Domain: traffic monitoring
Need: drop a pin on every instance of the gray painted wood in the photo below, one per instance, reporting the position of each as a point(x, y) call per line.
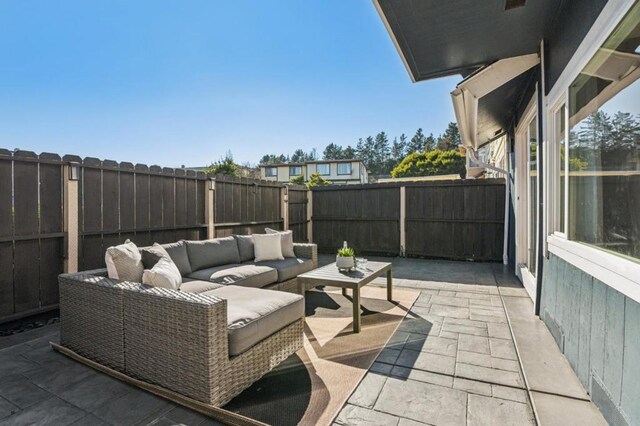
point(614, 343)
point(631, 367)
point(601, 335)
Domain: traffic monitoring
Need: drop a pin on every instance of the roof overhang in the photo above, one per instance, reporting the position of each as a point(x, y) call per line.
point(482, 102)
point(436, 38)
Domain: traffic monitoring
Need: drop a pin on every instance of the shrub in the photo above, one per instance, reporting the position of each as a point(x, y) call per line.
point(432, 163)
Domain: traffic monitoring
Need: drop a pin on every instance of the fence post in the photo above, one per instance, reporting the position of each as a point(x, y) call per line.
point(71, 173)
point(310, 215)
point(403, 213)
point(210, 208)
point(284, 207)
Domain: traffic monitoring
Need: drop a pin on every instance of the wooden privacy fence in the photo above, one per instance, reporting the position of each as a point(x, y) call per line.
point(459, 219)
point(61, 214)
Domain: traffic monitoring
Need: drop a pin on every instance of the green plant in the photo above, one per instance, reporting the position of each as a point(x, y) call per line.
point(298, 180)
point(431, 163)
point(225, 166)
point(317, 180)
point(346, 252)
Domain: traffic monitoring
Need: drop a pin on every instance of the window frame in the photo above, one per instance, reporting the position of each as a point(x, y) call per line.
point(554, 160)
point(323, 164)
point(268, 168)
point(295, 167)
point(345, 174)
point(615, 271)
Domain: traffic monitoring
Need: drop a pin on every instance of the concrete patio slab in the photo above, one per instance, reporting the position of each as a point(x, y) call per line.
point(556, 410)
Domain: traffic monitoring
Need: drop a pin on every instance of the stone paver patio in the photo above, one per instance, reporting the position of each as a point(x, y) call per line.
point(452, 361)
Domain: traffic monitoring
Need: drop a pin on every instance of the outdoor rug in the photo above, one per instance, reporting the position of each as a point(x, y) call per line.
point(311, 386)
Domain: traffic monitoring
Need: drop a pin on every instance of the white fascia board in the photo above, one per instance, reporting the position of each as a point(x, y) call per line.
point(393, 38)
point(466, 95)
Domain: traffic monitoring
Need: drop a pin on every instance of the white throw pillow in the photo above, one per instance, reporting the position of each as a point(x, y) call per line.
point(267, 247)
point(124, 262)
point(164, 274)
point(287, 241)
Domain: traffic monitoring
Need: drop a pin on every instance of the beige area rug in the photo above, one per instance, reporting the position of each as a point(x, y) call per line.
point(311, 387)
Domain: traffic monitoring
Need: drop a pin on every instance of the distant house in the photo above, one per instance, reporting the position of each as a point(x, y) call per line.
point(342, 172)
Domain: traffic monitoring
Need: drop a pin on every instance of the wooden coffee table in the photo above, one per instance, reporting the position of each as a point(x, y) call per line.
point(330, 276)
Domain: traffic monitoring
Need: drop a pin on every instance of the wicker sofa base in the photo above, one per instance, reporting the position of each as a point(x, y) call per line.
point(212, 411)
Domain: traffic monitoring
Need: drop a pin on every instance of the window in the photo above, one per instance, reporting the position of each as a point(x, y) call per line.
point(324, 169)
point(344, 168)
point(295, 170)
point(271, 171)
point(604, 145)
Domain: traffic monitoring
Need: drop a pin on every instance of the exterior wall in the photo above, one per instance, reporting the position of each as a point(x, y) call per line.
point(358, 173)
point(598, 330)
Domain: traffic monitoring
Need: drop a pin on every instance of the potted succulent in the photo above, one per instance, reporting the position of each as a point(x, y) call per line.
point(345, 259)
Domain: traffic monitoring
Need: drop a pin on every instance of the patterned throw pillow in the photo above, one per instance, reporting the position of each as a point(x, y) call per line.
point(287, 241)
point(164, 274)
point(124, 262)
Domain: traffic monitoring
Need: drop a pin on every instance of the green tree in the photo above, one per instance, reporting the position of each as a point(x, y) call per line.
point(224, 166)
point(450, 139)
point(317, 180)
point(430, 143)
point(417, 142)
point(348, 153)
point(431, 163)
point(298, 180)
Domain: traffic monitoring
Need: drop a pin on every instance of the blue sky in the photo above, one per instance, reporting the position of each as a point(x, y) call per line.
point(181, 82)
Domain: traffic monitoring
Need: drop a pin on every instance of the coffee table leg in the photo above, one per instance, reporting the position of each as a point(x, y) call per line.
point(344, 292)
point(356, 309)
point(389, 285)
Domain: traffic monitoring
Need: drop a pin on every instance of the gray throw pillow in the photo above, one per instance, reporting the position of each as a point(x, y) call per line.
point(151, 255)
point(245, 247)
point(216, 252)
point(178, 253)
point(287, 241)
point(124, 262)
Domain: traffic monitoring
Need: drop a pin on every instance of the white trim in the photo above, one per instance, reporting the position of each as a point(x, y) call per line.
point(529, 282)
point(617, 272)
point(393, 38)
point(610, 16)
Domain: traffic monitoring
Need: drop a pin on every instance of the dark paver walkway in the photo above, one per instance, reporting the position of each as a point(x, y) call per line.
point(452, 361)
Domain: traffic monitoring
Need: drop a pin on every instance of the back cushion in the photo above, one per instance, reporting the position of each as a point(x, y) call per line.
point(208, 253)
point(245, 247)
point(178, 253)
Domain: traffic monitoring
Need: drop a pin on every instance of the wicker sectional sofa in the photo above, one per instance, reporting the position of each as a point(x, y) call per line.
point(208, 340)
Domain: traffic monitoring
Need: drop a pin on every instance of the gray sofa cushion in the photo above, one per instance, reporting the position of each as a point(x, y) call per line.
point(288, 268)
point(208, 253)
point(197, 286)
point(245, 247)
point(151, 255)
point(249, 275)
point(255, 314)
point(178, 253)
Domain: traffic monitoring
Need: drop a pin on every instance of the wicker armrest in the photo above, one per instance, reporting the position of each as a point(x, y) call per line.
point(307, 251)
point(176, 339)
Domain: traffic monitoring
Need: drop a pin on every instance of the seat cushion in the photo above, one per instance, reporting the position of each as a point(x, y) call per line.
point(208, 253)
point(255, 314)
point(247, 275)
point(197, 286)
point(288, 268)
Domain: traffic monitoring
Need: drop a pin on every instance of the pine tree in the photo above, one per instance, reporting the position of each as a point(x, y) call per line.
point(429, 143)
point(450, 139)
point(332, 152)
point(417, 142)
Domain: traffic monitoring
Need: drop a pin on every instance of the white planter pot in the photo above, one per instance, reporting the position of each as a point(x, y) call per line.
point(345, 262)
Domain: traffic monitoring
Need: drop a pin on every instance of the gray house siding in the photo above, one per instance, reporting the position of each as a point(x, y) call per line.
point(598, 330)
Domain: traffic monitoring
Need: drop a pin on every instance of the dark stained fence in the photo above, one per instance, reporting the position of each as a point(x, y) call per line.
point(460, 219)
point(31, 232)
point(298, 220)
point(246, 206)
point(144, 204)
point(366, 216)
